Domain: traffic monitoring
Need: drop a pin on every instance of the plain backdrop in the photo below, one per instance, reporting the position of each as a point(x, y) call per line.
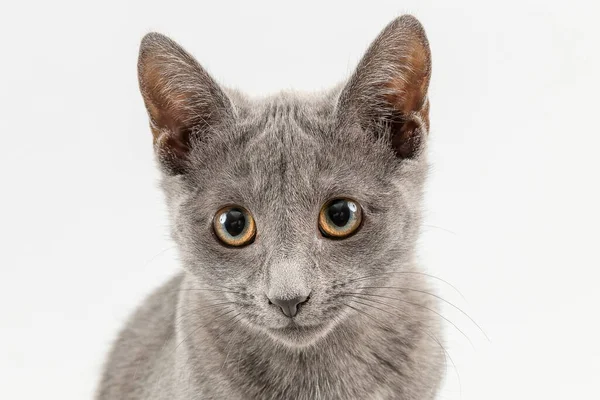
point(512, 202)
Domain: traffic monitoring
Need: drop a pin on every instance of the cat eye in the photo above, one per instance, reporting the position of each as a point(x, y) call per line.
point(234, 226)
point(340, 218)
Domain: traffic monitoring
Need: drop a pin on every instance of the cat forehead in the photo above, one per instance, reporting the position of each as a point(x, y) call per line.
point(293, 145)
point(286, 113)
point(284, 128)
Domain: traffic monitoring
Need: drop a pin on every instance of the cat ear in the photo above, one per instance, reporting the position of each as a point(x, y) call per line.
point(388, 90)
point(184, 103)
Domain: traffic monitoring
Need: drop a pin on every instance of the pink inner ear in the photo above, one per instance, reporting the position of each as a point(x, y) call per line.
point(407, 94)
point(170, 119)
point(408, 90)
point(168, 109)
point(407, 132)
point(170, 116)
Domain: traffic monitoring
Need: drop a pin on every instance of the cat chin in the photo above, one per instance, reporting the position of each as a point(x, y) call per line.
point(299, 336)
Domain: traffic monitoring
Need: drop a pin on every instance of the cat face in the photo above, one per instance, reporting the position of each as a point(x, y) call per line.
point(283, 205)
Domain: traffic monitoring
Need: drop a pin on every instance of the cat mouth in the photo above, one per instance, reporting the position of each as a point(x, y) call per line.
point(292, 327)
point(299, 336)
point(294, 332)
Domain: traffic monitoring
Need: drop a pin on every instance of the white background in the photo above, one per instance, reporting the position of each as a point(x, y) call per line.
point(512, 203)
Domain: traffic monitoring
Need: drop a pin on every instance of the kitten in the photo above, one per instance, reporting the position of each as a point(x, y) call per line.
point(296, 219)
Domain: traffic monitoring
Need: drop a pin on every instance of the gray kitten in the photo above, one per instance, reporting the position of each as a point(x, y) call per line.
point(296, 219)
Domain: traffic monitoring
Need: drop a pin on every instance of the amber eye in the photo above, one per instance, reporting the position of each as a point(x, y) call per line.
point(234, 226)
point(340, 218)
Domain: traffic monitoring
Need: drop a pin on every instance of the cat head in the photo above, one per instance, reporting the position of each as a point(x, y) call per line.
point(283, 202)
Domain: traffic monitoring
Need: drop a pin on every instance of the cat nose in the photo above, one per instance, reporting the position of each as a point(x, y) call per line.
point(289, 306)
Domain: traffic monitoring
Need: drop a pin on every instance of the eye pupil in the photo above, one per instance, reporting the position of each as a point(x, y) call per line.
point(235, 222)
point(339, 213)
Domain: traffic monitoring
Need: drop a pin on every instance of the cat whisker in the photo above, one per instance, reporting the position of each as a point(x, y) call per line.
point(201, 289)
point(216, 318)
point(365, 295)
point(224, 287)
point(225, 322)
point(406, 272)
point(176, 322)
point(227, 348)
point(182, 312)
point(385, 325)
point(429, 334)
point(187, 312)
point(440, 228)
point(200, 327)
point(158, 255)
point(437, 297)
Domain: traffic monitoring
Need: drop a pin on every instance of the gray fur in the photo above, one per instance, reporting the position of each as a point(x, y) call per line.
point(210, 333)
